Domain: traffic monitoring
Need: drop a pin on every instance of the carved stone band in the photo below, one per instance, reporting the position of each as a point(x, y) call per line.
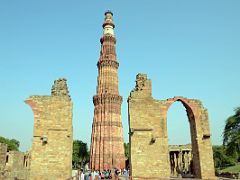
point(108, 63)
point(113, 110)
point(108, 139)
point(108, 123)
point(107, 98)
point(107, 155)
point(108, 38)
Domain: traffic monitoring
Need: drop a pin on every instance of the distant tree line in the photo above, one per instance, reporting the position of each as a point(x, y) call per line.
point(228, 154)
point(12, 144)
point(81, 154)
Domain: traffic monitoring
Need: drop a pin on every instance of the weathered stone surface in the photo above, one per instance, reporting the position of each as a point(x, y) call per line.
point(60, 88)
point(15, 160)
point(51, 154)
point(107, 150)
point(3, 154)
point(149, 139)
point(16, 166)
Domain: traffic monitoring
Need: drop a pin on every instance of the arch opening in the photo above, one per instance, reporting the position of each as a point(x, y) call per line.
point(180, 122)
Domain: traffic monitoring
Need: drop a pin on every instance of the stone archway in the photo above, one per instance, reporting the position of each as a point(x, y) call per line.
point(200, 133)
point(149, 154)
point(180, 155)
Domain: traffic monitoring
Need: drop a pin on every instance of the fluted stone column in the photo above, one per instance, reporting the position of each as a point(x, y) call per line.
point(175, 164)
point(179, 161)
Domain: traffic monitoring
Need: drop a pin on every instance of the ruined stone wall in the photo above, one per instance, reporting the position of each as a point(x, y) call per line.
point(15, 166)
point(15, 161)
point(147, 156)
point(149, 139)
point(51, 154)
point(3, 154)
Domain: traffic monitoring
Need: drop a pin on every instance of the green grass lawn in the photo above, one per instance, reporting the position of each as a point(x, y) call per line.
point(232, 169)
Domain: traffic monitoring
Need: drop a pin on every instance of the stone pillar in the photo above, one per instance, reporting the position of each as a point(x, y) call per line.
point(51, 154)
point(189, 157)
point(184, 162)
point(205, 168)
point(187, 162)
point(175, 164)
point(172, 163)
point(180, 162)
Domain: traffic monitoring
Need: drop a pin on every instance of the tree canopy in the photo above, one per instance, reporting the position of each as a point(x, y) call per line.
point(221, 160)
point(231, 135)
point(80, 154)
point(126, 150)
point(13, 144)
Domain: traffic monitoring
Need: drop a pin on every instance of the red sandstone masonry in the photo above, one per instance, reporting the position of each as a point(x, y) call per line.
point(107, 149)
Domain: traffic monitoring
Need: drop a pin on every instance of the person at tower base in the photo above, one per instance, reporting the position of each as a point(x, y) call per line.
point(82, 175)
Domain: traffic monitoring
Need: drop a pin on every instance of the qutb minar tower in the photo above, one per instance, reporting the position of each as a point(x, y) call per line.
point(107, 150)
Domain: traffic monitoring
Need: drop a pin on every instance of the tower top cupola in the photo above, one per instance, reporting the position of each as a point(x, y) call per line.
point(108, 25)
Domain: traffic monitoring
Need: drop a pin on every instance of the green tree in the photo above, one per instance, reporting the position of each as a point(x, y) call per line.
point(126, 150)
point(220, 158)
point(13, 144)
point(80, 154)
point(231, 135)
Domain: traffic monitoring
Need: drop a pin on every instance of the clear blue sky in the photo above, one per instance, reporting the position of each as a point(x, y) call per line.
point(187, 48)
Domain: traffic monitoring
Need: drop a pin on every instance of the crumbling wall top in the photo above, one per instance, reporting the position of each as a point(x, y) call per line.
point(60, 88)
point(143, 87)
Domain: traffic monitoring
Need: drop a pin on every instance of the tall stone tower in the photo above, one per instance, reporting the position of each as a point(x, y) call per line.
point(107, 150)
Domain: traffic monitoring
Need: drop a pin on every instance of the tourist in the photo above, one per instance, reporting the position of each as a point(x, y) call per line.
point(95, 175)
point(124, 172)
point(81, 174)
point(103, 175)
point(116, 173)
point(107, 174)
point(87, 175)
point(110, 174)
point(92, 175)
